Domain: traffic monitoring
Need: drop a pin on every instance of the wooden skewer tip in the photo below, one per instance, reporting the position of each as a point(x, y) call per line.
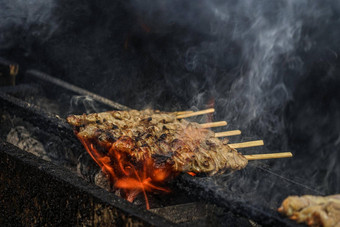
point(183, 112)
point(228, 133)
point(214, 124)
point(269, 156)
point(201, 112)
point(247, 144)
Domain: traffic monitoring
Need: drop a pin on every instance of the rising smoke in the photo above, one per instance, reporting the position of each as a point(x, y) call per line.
point(271, 68)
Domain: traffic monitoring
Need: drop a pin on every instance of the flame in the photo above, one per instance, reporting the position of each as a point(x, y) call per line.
point(191, 173)
point(131, 176)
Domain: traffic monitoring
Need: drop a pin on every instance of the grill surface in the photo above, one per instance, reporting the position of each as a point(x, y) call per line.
point(236, 192)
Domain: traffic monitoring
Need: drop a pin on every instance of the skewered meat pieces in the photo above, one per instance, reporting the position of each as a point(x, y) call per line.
point(313, 210)
point(183, 145)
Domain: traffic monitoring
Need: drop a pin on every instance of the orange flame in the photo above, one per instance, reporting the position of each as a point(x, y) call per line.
point(191, 173)
point(131, 176)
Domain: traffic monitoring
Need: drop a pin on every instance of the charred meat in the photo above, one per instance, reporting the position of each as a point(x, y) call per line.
point(140, 135)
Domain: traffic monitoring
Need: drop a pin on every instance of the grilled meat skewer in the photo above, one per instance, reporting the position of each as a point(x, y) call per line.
point(183, 145)
point(313, 210)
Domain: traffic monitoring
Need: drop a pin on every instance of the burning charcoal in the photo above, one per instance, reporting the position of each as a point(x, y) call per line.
point(101, 180)
point(90, 171)
point(60, 151)
point(20, 137)
point(86, 168)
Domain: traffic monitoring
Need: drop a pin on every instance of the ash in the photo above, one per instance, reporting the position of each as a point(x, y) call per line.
point(20, 137)
point(32, 139)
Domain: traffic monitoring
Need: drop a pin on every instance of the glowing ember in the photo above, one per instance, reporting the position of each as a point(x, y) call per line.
point(126, 174)
point(191, 173)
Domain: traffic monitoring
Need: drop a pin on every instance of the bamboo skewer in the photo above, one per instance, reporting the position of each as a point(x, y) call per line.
point(201, 112)
point(214, 124)
point(228, 133)
point(183, 112)
point(269, 156)
point(247, 144)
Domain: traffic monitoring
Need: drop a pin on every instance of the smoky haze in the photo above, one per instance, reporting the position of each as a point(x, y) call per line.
point(270, 68)
point(24, 22)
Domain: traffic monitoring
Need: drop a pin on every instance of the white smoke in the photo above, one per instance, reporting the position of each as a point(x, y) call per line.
point(263, 33)
point(260, 94)
point(251, 57)
point(83, 102)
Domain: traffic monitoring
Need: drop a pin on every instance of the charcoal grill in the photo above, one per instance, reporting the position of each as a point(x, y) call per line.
point(26, 197)
point(36, 192)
